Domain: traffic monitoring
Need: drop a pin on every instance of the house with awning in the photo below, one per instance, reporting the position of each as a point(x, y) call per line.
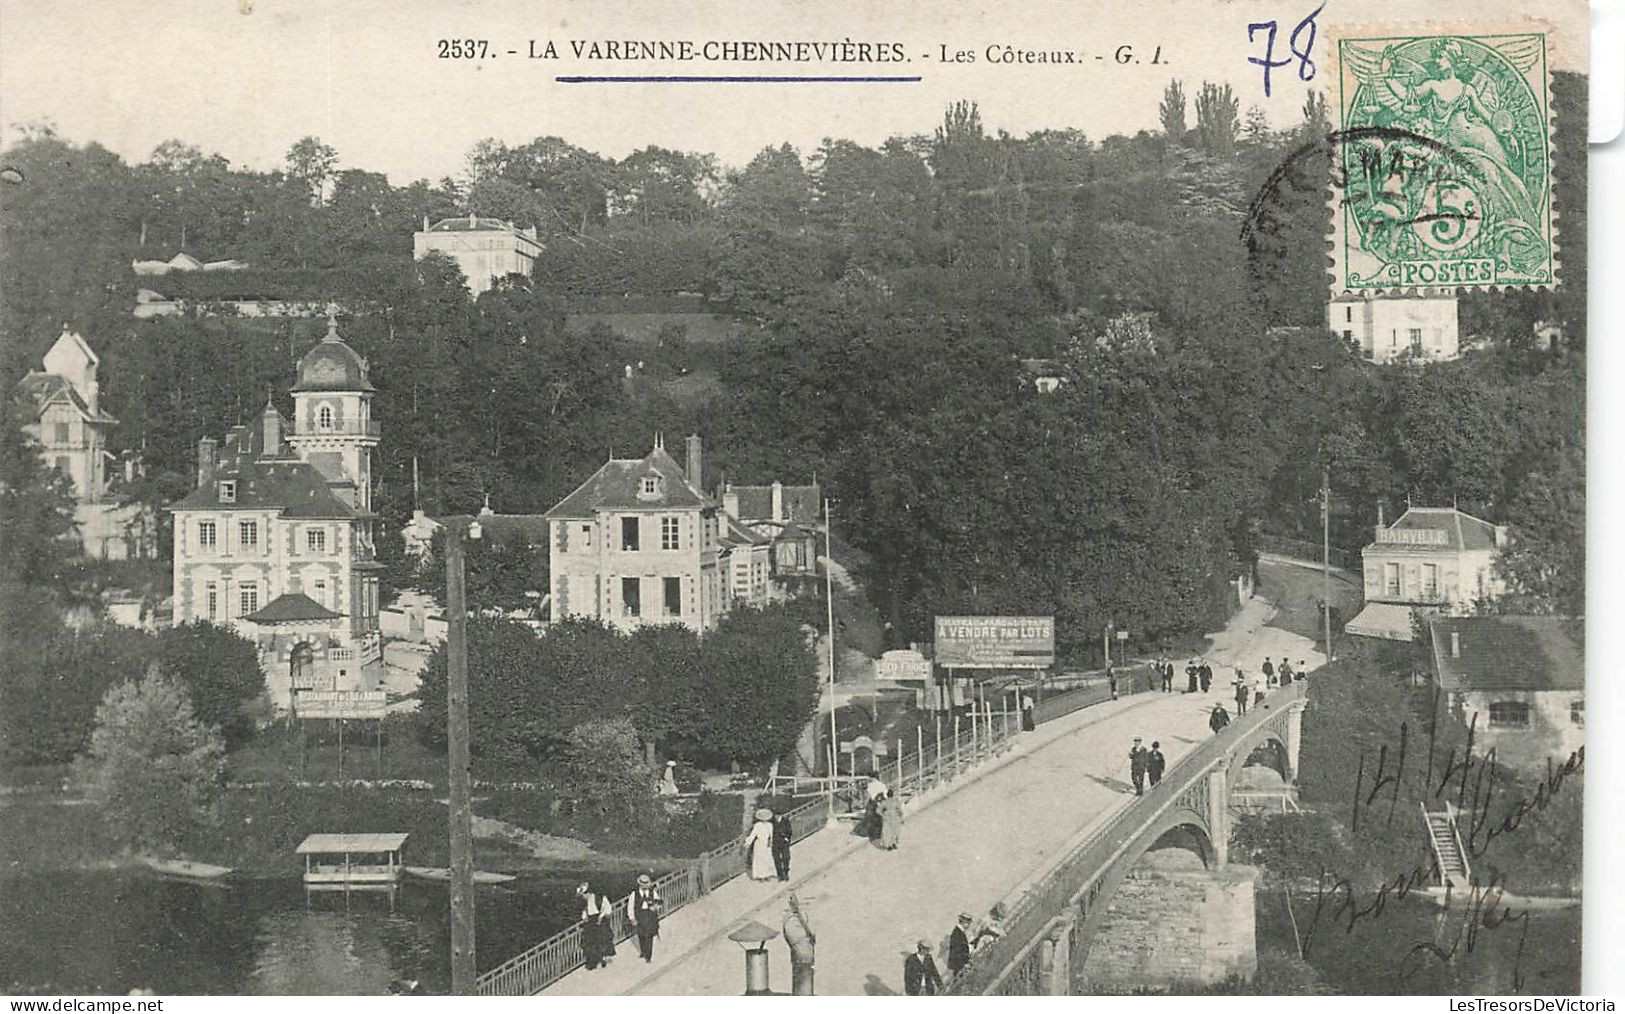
point(1439, 560)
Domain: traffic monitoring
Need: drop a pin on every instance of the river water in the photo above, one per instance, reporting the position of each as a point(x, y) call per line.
point(110, 932)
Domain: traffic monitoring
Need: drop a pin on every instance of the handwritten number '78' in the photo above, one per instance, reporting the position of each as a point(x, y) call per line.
point(1301, 43)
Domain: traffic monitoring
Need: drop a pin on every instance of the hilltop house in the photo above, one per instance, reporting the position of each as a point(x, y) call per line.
point(1438, 559)
point(276, 541)
point(62, 410)
point(487, 249)
point(1385, 328)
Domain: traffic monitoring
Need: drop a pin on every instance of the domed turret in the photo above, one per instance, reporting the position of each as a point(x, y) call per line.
point(332, 365)
point(333, 427)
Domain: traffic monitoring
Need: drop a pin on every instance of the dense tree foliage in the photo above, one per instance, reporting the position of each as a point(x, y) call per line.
point(152, 766)
point(740, 693)
point(36, 510)
point(56, 675)
point(881, 299)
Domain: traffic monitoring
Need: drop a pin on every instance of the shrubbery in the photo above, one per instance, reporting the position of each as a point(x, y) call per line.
point(742, 692)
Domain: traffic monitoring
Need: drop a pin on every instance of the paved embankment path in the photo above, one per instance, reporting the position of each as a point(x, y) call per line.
point(964, 847)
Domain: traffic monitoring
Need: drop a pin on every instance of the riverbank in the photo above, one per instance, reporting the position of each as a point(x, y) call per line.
point(256, 830)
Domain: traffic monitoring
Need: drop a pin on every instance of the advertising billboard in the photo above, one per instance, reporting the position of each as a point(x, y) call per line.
point(995, 642)
point(340, 704)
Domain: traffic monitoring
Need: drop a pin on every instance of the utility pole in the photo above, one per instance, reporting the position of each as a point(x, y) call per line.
point(462, 832)
point(1326, 554)
point(829, 606)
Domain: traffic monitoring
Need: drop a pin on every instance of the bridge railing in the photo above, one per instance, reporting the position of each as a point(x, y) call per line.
point(1012, 964)
point(552, 959)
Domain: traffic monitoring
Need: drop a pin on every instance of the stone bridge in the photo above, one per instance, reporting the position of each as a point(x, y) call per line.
point(1055, 924)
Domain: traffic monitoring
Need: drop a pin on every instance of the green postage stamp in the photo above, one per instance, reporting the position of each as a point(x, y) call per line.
point(1442, 174)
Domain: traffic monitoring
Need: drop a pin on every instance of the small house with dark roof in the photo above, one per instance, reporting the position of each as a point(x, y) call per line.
point(487, 249)
point(61, 407)
point(638, 543)
point(788, 516)
point(1436, 559)
point(276, 541)
point(1518, 680)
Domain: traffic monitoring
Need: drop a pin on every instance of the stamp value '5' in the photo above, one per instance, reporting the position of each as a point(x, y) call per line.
point(1442, 174)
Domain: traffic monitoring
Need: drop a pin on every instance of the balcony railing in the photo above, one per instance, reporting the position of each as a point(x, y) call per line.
point(370, 428)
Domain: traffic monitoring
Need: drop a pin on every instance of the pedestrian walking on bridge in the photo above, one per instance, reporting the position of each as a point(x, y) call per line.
point(1137, 758)
point(783, 832)
point(1191, 676)
point(1155, 763)
point(1218, 719)
point(1111, 680)
point(959, 944)
point(1269, 672)
point(891, 822)
point(643, 912)
point(1241, 692)
point(920, 975)
point(1204, 675)
point(1165, 669)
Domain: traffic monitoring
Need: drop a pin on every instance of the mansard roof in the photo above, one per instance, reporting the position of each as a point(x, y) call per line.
point(618, 485)
point(280, 481)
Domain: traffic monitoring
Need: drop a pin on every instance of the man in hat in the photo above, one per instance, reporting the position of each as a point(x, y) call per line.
point(1269, 672)
point(1166, 669)
point(799, 936)
point(1155, 763)
point(782, 834)
point(1111, 680)
point(1136, 766)
point(959, 944)
point(643, 912)
point(920, 975)
point(1241, 692)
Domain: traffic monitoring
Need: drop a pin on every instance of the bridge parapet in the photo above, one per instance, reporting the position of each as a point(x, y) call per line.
point(1049, 929)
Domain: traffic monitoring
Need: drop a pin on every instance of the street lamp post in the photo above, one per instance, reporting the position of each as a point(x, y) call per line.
point(462, 831)
point(829, 605)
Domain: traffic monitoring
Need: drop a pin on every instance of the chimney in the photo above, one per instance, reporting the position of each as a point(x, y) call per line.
point(1455, 644)
point(778, 500)
point(694, 476)
point(425, 222)
point(205, 460)
point(271, 428)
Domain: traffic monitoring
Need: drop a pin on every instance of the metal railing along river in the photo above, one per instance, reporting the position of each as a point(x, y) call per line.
point(929, 765)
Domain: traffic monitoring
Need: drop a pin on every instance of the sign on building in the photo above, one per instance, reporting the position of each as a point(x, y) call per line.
point(995, 642)
point(340, 704)
point(903, 664)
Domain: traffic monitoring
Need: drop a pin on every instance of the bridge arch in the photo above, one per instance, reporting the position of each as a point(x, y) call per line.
point(1272, 744)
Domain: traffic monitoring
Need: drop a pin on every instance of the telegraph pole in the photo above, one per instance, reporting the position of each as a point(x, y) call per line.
point(462, 832)
point(1326, 554)
point(829, 606)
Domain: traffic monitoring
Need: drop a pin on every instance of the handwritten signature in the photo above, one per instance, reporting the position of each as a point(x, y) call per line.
point(1474, 778)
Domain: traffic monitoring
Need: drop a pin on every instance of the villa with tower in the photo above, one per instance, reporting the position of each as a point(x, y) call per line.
point(62, 410)
point(276, 541)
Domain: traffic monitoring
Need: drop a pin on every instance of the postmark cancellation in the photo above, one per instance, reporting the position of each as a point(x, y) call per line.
point(1441, 174)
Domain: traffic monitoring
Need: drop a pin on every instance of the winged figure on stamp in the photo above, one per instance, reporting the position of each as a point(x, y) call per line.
point(1456, 101)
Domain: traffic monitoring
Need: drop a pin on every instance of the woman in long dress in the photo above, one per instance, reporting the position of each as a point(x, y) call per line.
point(891, 821)
point(759, 844)
point(597, 932)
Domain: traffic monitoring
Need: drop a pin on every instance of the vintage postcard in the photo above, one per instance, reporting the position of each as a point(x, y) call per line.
point(604, 498)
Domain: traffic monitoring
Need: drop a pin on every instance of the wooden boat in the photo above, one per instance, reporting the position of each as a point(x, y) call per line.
point(185, 869)
point(345, 862)
point(443, 875)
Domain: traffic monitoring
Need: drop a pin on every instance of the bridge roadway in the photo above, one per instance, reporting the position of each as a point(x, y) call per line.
point(964, 847)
